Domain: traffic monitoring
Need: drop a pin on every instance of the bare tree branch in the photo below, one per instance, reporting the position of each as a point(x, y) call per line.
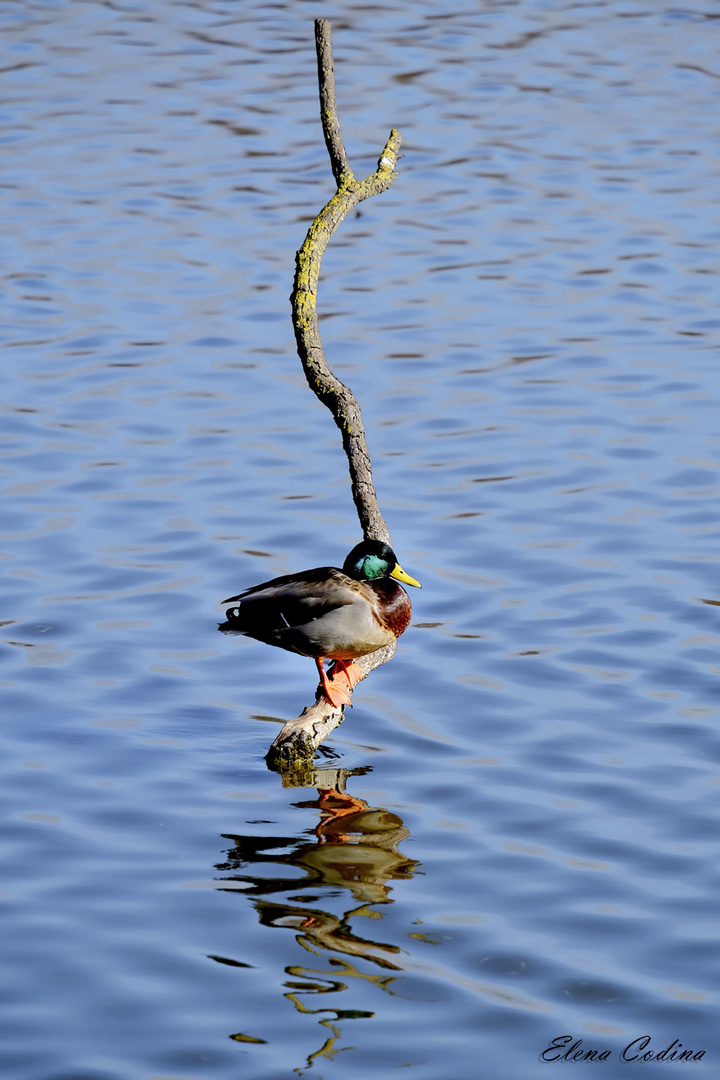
point(300, 737)
point(328, 107)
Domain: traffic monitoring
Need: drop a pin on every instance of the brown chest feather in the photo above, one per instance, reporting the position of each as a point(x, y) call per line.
point(394, 608)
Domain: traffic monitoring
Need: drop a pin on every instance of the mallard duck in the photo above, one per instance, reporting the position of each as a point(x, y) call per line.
point(328, 613)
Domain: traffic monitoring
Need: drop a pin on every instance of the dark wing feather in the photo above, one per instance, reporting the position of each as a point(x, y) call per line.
point(274, 611)
point(303, 581)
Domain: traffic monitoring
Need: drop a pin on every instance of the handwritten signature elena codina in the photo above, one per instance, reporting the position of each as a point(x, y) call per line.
point(563, 1048)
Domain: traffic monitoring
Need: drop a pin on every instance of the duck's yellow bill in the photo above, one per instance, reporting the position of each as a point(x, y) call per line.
point(400, 574)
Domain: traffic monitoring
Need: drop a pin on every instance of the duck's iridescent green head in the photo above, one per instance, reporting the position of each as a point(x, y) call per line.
point(372, 559)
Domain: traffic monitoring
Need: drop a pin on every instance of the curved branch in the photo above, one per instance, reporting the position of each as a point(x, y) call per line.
point(300, 737)
point(326, 385)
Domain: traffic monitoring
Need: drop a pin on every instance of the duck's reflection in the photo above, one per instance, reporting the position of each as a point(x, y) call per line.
point(354, 847)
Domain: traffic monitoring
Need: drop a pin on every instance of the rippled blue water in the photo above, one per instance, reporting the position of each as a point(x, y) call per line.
point(513, 836)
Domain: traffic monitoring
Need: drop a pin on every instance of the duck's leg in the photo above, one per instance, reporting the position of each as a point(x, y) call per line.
point(336, 695)
point(347, 670)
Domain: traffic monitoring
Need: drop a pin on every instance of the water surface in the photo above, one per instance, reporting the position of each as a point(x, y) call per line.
point(513, 836)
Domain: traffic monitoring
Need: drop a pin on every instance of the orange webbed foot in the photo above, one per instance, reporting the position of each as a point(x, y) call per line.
point(343, 680)
point(336, 694)
point(333, 690)
point(348, 672)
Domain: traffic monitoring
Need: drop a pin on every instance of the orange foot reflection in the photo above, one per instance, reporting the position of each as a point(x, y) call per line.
point(336, 805)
